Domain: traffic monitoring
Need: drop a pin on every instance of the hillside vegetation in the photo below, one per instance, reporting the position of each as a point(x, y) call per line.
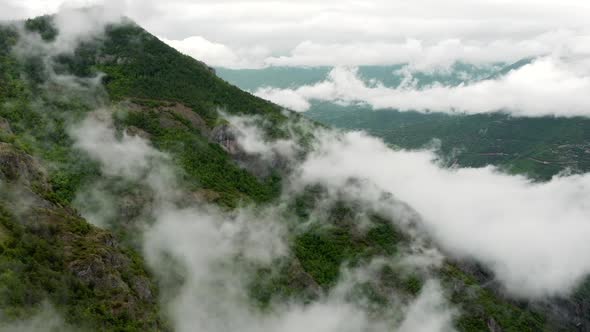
point(97, 277)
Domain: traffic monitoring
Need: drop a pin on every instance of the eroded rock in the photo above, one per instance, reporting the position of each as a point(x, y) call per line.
point(225, 137)
point(188, 114)
point(5, 126)
point(18, 166)
point(493, 326)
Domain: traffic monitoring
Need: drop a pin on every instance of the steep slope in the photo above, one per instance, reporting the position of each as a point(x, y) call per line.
point(95, 276)
point(48, 251)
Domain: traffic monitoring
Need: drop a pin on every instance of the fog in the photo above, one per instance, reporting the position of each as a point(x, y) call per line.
point(526, 232)
point(546, 87)
point(215, 252)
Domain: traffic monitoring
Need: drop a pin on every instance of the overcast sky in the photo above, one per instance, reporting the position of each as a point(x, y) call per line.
point(256, 33)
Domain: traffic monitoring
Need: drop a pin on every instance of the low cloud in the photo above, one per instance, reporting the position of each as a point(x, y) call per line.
point(251, 140)
point(73, 25)
point(217, 54)
point(430, 312)
point(291, 99)
point(215, 252)
point(214, 294)
point(46, 319)
point(422, 55)
point(418, 53)
point(548, 86)
point(525, 232)
point(127, 156)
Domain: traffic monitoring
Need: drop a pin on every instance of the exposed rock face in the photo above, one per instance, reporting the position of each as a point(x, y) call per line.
point(299, 279)
point(89, 255)
point(106, 59)
point(225, 137)
point(96, 259)
point(134, 131)
point(201, 196)
point(16, 166)
point(572, 312)
point(5, 126)
point(133, 204)
point(170, 112)
point(493, 326)
point(168, 121)
point(94, 272)
point(188, 114)
point(141, 286)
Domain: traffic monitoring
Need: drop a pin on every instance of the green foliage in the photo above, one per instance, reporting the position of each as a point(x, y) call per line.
point(401, 281)
point(43, 25)
point(281, 283)
point(322, 251)
point(34, 268)
point(40, 124)
point(413, 285)
point(383, 237)
point(205, 164)
point(145, 67)
point(479, 305)
point(539, 147)
point(36, 258)
point(45, 135)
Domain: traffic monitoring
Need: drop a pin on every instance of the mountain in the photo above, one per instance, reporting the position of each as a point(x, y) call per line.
point(390, 76)
point(538, 147)
point(134, 198)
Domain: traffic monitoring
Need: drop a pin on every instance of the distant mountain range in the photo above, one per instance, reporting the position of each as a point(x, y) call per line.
point(539, 147)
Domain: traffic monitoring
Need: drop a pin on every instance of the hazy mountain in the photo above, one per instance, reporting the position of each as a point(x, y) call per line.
point(540, 147)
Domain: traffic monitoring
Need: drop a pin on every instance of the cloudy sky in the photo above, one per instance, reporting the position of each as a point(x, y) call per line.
point(255, 33)
point(427, 35)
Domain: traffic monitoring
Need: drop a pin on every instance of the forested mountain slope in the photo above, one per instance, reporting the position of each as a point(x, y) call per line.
point(107, 145)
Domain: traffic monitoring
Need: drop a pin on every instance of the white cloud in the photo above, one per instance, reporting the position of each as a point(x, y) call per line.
point(214, 252)
point(422, 55)
point(215, 54)
point(281, 32)
point(251, 139)
point(525, 232)
point(284, 97)
point(547, 86)
point(73, 26)
point(128, 156)
point(430, 312)
point(214, 296)
point(45, 319)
